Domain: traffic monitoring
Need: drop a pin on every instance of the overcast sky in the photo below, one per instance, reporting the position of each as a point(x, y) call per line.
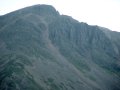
point(105, 13)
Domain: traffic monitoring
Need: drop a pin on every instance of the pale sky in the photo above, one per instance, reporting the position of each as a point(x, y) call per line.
point(105, 13)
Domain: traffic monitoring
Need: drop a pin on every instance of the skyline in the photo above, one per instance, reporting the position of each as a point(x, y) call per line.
point(104, 13)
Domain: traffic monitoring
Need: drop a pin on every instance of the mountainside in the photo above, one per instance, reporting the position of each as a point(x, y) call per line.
point(43, 50)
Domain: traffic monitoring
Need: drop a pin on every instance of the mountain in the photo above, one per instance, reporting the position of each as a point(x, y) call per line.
point(43, 50)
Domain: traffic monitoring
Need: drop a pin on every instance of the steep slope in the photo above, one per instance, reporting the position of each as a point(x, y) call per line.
point(43, 50)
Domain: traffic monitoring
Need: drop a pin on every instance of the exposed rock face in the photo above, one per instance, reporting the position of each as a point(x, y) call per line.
point(43, 50)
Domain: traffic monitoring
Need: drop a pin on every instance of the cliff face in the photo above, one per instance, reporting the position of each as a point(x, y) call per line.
point(43, 50)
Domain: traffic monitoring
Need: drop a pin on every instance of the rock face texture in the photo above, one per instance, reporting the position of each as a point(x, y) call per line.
point(43, 50)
